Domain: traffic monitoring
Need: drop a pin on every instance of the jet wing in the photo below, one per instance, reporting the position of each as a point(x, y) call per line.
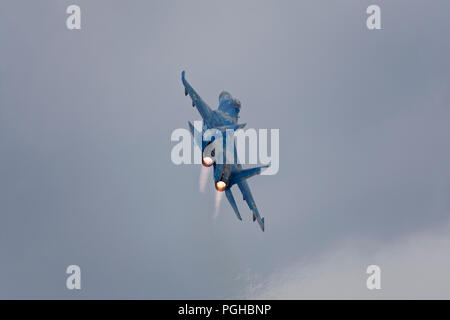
point(204, 110)
point(245, 189)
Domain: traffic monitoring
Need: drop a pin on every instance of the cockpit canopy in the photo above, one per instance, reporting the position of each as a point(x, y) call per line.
point(224, 96)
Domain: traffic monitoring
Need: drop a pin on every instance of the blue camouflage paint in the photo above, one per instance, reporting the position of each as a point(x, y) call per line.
point(226, 117)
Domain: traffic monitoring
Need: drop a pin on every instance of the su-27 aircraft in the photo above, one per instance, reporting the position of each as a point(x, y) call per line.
point(225, 175)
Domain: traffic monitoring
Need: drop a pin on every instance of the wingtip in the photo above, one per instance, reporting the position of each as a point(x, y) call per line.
point(262, 224)
point(183, 74)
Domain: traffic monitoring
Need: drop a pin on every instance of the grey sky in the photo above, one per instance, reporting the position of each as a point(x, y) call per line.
point(85, 124)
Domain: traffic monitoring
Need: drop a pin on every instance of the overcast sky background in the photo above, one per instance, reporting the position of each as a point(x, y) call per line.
point(85, 170)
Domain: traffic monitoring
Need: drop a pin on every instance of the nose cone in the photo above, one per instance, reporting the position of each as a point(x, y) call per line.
point(221, 186)
point(207, 161)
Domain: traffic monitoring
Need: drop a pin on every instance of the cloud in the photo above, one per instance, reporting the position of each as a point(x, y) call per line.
point(415, 267)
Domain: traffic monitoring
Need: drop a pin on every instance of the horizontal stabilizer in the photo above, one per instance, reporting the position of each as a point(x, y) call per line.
point(246, 173)
point(230, 127)
point(230, 198)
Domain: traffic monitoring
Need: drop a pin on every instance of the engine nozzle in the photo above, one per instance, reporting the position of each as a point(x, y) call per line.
point(221, 186)
point(207, 161)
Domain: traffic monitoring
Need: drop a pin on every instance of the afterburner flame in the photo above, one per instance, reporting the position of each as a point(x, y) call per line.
point(207, 161)
point(221, 186)
point(219, 196)
point(203, 178)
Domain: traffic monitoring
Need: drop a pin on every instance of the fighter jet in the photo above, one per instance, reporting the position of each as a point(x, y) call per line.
point(225, 175)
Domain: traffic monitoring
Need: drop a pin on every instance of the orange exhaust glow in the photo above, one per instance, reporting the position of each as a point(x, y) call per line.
point(207, 161)
point(221, 186)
